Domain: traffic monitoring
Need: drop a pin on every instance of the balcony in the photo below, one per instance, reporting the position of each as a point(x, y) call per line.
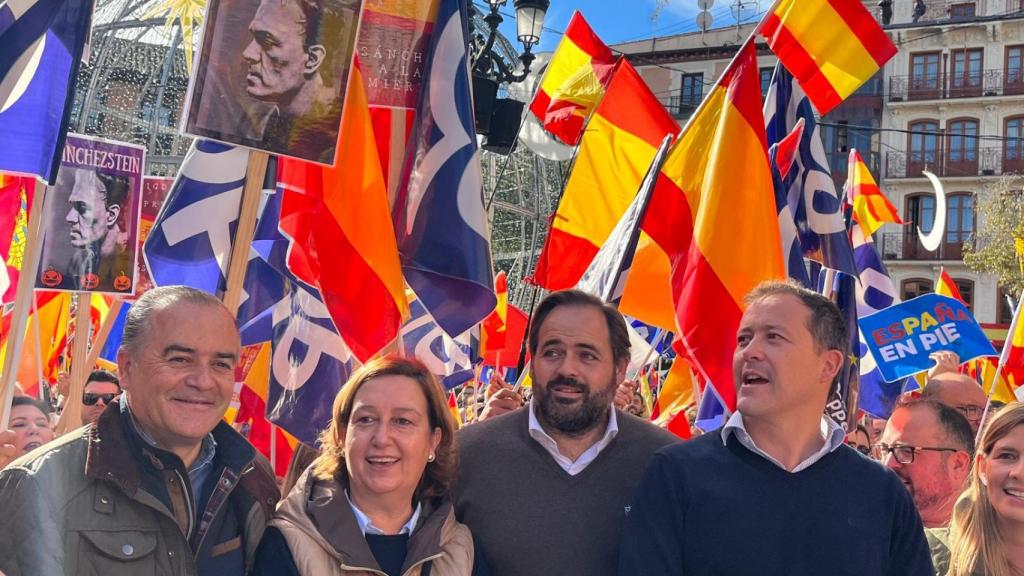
point(947, 11)
point(906, 245)
point(987, 83)
point(988, 161)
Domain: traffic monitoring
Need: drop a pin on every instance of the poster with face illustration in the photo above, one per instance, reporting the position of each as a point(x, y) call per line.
point(91, 218)
point(272, 75)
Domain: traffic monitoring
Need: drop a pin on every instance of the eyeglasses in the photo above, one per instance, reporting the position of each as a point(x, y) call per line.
point(865, 450)
point(905, 454)
point(970, 411)
point(90, 399)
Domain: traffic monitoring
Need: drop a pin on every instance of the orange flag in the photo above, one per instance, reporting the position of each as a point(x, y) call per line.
point(495, 325)
point(830, 46)
point(574, 82)
point(621, 141)
point(713, 212)
point(343, 241)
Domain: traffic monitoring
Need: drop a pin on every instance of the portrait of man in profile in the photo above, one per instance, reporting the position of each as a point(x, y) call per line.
point(290, 80)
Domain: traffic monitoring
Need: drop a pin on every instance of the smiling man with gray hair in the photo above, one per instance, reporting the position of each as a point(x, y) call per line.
point(159, 484)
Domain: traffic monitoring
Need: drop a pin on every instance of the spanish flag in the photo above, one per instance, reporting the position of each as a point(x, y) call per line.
point(676, 394)
point(1012, 357)
point(870, 207)
point(574, 82)
point(620, 143)
point(495, 325)
point(453, 407)
point(832, 47)
point(713, 212)
point(944, 286)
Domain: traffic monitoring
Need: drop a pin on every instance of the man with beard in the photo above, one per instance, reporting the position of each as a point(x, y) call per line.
point(931, 448)
point(776, 490)
point(530, 479)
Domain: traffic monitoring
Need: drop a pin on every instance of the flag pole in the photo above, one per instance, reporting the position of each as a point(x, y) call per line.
point(71, 417)
point(654, 348)
point(255, 174)
point(24, 293)
point(1003, 357)
point(105, 329)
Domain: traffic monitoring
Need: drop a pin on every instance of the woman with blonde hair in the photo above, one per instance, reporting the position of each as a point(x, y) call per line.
point(987, 530)
point(376, 500)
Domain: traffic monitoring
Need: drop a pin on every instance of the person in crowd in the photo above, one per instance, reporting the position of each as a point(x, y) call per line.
point(377, 499)
point(159, 484)
point(544, 489)
point(930, 447)
point(860, 440)
point(101, 387)
point(775, 490)
point(987, 530)
point(30, 421)
point(960, 392)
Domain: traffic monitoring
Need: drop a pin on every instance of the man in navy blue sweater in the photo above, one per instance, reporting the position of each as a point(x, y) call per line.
point(775, 490)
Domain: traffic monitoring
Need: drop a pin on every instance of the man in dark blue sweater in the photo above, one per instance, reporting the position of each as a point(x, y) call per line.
point(775, 491)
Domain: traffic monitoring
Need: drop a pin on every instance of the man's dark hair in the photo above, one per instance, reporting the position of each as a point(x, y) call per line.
point(617, 332)
point(116, 189)
point(826, 324)
point(326, 21)
point(954, 425)
point(30, 401)
point(103, 376)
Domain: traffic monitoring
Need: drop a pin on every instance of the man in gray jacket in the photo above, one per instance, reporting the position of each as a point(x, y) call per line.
point(159, 484)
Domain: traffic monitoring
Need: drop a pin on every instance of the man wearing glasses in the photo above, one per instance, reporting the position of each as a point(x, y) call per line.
point(100, 390)
point(930, 447)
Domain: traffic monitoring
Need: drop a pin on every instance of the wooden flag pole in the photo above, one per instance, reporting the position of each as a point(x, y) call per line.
point(39, 351)
point(255, 174)
point(71, 417)
point(22, 303)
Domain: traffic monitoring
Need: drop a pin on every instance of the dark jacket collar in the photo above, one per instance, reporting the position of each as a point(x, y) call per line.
point(329, 510)
point(115, 451)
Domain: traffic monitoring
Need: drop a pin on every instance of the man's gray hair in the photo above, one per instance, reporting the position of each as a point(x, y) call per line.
point(136, 324)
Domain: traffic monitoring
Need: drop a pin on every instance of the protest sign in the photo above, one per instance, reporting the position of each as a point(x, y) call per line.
point(902, 337)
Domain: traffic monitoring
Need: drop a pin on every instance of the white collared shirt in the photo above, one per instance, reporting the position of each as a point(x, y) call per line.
point(366, 525)
point(833, 435)
point(588, 456)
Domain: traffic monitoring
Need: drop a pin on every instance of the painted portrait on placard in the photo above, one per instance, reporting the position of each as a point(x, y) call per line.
point(91, 218)
point(272, 75)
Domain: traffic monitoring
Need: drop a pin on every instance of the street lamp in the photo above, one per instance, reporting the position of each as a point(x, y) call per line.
point(490, 69)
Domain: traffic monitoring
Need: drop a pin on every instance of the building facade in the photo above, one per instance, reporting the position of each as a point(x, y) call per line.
point(951, 101)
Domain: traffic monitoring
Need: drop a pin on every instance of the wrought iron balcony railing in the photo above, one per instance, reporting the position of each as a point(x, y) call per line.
point(985, 161)
point(906, 245)
point(987, 83)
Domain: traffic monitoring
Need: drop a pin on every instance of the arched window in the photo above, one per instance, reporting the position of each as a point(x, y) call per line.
point(923, 146)
point(920, 212)
point(914, 287)
point(962, 154)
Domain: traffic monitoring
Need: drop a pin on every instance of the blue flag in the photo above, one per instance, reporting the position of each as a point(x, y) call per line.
point(309, 365)
point(451, 359)
point(190, 242)
point(440, 219)
point(41, 44)
point(902, 337)
point(843, 291)
point(808, 188)
point(875, 292)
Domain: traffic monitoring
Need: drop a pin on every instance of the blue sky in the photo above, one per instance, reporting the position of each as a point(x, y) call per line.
point(621, 20)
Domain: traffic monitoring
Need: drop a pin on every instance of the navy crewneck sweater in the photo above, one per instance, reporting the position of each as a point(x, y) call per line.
point(704, 508)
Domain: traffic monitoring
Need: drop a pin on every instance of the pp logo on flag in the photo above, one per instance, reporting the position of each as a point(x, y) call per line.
point(303, 334)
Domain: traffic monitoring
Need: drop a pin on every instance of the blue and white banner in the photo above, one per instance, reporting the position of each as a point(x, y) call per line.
point(902, 337)
point(815, 209)
point(41, 44)
point(451, 359)
point(190, 242)
point(440, 221)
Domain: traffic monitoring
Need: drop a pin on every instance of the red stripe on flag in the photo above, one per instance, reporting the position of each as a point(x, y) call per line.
point(669, 221)
point(708, 330)
point(540, 104)
point(870, 34)
point(564, 273)
point(801, 65)
point(745, 91)
point(582, 35)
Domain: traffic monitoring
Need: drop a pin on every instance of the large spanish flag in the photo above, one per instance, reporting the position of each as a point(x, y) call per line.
point(832, 47)
point(343, 242)
point(870, 207)
point(713, 212)
point(621, 141)
point(574, 82)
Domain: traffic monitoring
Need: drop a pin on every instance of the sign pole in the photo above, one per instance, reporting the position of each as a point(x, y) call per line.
point(254, 178)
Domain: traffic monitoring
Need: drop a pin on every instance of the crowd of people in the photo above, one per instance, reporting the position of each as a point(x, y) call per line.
point(559, 478)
